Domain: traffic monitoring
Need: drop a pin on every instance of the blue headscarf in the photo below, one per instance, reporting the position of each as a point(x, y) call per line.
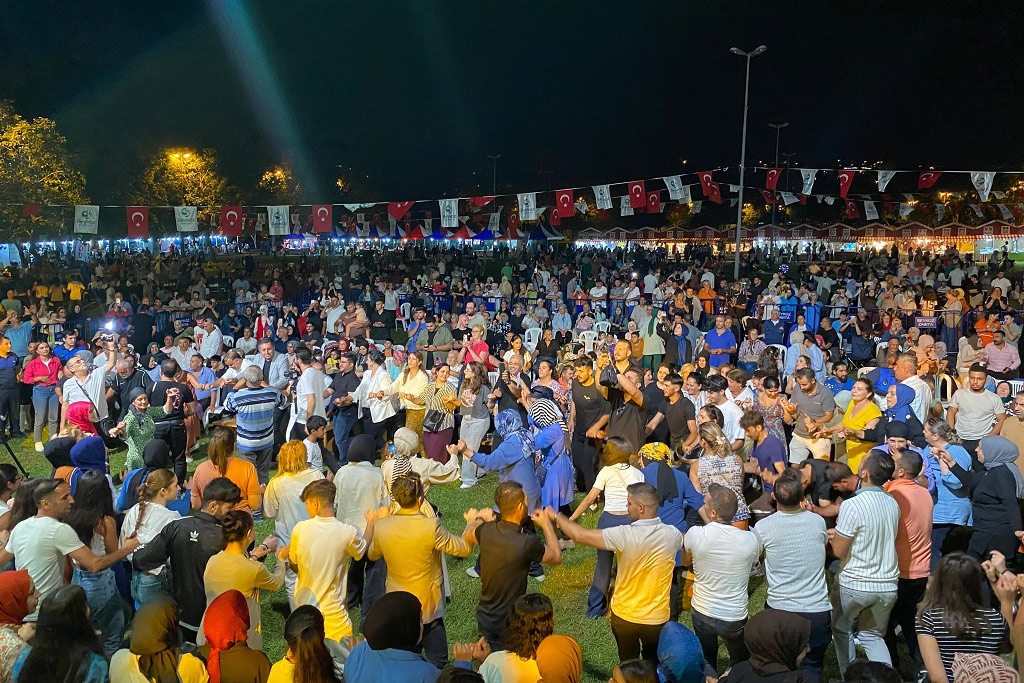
point(509, 424)
point(901, 412)
point(87, 454)
point(680, 658)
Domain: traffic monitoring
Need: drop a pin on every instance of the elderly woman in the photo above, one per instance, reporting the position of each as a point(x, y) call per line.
point(554, 466)
point(138, 425)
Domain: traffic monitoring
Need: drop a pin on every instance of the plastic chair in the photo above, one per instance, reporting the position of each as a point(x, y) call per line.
point(530, 338)
point(588, 339)
point(404, 314)
point(229, 342)
point(603, 326)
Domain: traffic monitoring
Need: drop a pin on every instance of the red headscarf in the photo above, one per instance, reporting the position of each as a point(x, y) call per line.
point(78, 415)
point(15, 589)
point(225, 623)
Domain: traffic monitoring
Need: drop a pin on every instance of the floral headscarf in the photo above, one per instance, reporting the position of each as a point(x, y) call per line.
point(509, 424)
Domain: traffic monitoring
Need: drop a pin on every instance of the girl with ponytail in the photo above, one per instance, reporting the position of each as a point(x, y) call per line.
point(310, 659)
point(145, 519)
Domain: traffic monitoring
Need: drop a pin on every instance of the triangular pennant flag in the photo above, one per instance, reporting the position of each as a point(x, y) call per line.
point(998, 194)
point(871, 211)
point(581, 206)
point(807, 177)
point(186, 219)
point(940, 212)
point(231, 221)
point(137, 218)
point(769, 197)
point(637, 194)
point(278, 221)
point(675, 186)
point(927, 179)
point(982, 181)
point(323, 215)
point(87, 219)
point(976, 209)
point(625, 206)
point(449, 213)
point(771, 179)
point(528, 206)
point(481, 201)
point(845, 180)
point(734, 201)
point(828, 200)
point(906, 209)
point(696, 206)
point(789, 198)
point(602, 196)
point(355, 207)
point(715, 193)
point(705, 181)
point(851, 209)
point(883, 179)
point(30, 209)
point(1005, 211)
point(654, 201)
point(397, 210)
point(493, 222)
point(564, 204)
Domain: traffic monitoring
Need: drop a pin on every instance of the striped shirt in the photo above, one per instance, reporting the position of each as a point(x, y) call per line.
point(254, 409)
point(794, 560)
point(870, 519)
point(994, 638)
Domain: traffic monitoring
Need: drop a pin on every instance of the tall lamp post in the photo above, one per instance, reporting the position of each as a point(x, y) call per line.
point(778, 127)
point(494, 172)
point(182, 158)
point(743, 150)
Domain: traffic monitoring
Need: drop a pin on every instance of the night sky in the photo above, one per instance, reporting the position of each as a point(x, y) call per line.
point(415, 95)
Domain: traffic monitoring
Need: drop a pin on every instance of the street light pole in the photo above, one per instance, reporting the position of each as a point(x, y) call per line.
point(743, 150)
point(778, 128)
point(494, 172)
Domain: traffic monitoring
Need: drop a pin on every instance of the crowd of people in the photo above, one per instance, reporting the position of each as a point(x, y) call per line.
point(848, 432)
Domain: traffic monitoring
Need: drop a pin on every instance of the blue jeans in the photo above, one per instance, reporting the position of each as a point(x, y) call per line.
point(46, 405)
point(343, 435)
point(145, 586)
point(106, 609)
point(597, 598)
point(821, 636)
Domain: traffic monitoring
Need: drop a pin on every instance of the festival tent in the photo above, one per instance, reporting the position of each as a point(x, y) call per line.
point(545, 233)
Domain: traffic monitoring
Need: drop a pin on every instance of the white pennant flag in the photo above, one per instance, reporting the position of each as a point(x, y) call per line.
point(360, 218)
point(870, 211)
point(734, 202)
point(277, 220)
point(789, 198)
point(906, 209)
point(734, 188)
point(982, 181)
point(976, 209)
point(87, 218)
point(807, 176)
point(602, 196)
point(1005, 210)
point(998, 194)
point(830, 200)
point(624, 208)
point(528, 206)
point(909, 196)
point(186, 219)
point(685, 197)
point(675, 187)
point(940, 212)
point(883, 179)
point(696, 206)
point(355, 207)
point(492, 221)
point(581, 205)
point(449, 213)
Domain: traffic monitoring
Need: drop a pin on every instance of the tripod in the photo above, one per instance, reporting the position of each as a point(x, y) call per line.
point(10, 452)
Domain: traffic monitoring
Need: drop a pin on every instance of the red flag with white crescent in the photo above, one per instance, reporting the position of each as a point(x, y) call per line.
point(845, 180)
point(927, 179)
point(769, 197)
point(554, 217)
point(654, 201)
point(852, 210)
point(637, 195)
point(138, 221)
point(715, 192)
point(397, 210)
point(513, 218)
point(231, 221)
point(28, 210)
point(323, 215)
point(772, 179)
point(706, 183)
point(481, 201)
point(564, 205)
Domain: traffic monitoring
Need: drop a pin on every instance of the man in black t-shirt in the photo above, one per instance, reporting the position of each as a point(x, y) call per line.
point(171, 427)
point(507, 550)
point(588, 416)
point(626, 397)
point(654, 402)
point(143, 328)
point(680, 416)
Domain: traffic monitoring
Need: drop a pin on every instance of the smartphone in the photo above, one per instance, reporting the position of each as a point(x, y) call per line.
point(392, 450)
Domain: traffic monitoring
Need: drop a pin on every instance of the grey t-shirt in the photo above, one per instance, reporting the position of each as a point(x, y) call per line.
point(975, 412)
point(813, 406)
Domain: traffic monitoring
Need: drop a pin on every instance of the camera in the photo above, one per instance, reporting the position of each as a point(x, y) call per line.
point(292, 374)
point(106, 337)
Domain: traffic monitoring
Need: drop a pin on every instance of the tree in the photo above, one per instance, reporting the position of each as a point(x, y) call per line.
point(278, 186)
point(35, 168)
point(182, 178)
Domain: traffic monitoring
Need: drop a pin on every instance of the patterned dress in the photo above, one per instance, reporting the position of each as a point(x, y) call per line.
point(729, 473)
point(772, 419)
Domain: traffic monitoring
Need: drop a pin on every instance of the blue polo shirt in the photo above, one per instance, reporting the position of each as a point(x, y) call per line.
point(774, 332)
point(720, 341)
point(20, 335)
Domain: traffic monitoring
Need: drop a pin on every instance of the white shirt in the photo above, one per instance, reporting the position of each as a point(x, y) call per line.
point(870, 519)
point(360, 487)
point(1003, 284)
point(282, 503)
point(210, 343)
point(505, 667)
point(155, 518)
point(646, 556)
point(650, 282)
point(598, 292)
point(380, 408)
point(794, 560)
point(732, 414)
point(39, 545)
point(322, 548)
point(94, 391)
point(722, 558)
point(182, 356)
point(331, 316)
point(613, 480)
point(311, 382)
point(975, 412)
point(922, 398)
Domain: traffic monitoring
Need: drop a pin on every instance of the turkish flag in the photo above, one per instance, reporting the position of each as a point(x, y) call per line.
point(513, 218)
point(397, 210)
point(654, 201)
point(715, 193)
point(769, 198)
point(803, 199)
point(231, 221)
point(772, 179)
point(852, 210)
point(637, 194)
point(30, 209)
point(927, 179)
point(138, 222)
point(481, 201)
point(845, 180)
point(706, 183)
point(323, 215)
point(564, 205)
point(554, 217)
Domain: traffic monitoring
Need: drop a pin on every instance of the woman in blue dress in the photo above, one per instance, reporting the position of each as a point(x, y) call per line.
point(558, 486)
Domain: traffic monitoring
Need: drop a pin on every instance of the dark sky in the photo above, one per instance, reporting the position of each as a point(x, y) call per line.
point(415, 95)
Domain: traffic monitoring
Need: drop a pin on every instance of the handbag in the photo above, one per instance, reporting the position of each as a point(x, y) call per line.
point(432, 420)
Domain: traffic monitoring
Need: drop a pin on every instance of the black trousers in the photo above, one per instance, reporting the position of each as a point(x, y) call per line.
point(584, 460)
point(174, 434)
point(904, 613)
point(708, 630)
point(10, 408)
point(635, 640)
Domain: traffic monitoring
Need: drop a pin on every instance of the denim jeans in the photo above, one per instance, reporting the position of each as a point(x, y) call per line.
point(821, 636)
point(46, 405)
point(145, 586)
point(870, 613)
point(343, 434)
point(435, 643)
point(597, 598)
point(106, 609)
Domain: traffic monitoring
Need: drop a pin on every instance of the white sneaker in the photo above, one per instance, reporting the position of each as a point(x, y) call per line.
point(472, 572)
point(39, 447)
point(539, 579)
point(466, 486)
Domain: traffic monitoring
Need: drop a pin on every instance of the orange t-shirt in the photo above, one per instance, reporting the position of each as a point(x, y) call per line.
point(241, 472)
point(914, 535)
point(708, 297)
point(985, 331)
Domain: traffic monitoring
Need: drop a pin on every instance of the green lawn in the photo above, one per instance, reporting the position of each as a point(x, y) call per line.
point(566, 584)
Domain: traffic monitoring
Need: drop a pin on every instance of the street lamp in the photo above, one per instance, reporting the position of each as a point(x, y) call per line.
point(494, 172)
point(743, 150)
point(778, 128)
point(182, 158)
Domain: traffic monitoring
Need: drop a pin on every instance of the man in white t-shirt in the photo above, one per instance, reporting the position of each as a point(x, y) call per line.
point(89, 384)
point(598, 292)
point(716, 386)
point(721, 556)
point(309, 392)
point(40, 544)
point(650, 282)
point(645, 551)
point(1002, 283)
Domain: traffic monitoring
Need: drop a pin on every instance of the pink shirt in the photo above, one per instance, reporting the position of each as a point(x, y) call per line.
point(37, 368)
point(1002, 360)
point(914, 534)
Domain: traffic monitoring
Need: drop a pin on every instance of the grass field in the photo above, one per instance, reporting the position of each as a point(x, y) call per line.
point(566, 584)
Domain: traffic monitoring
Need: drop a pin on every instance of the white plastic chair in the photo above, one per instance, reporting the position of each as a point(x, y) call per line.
point(530, 338)
point(588, 338)
point(1017, 385)
point(229, 342)
point(603, 326)
point(492, 377)
point(402, 319)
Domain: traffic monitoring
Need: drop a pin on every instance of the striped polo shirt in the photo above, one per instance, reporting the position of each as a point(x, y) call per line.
point(254, 410)
point(871, 519)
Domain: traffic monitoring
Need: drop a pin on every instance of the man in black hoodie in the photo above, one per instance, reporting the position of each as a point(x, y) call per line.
point(188, 544)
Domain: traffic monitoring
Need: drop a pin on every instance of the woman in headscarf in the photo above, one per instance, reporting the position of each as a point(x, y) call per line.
point(154, 651)
point(138, 424)
point(513, 460)
point(897, 401)
point(994, 494)
point(560, 659)
point(552, 460)
point(87, 454)
point(778, 641)
point(18, 598)
point(680, 659)
point(927, 361)
point(79, 414)
point(391, 651)
point(227, 656)
point(405, 460)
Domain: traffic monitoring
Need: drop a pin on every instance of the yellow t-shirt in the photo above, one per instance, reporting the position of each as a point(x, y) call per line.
point(855, 448)
point(75, 291)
